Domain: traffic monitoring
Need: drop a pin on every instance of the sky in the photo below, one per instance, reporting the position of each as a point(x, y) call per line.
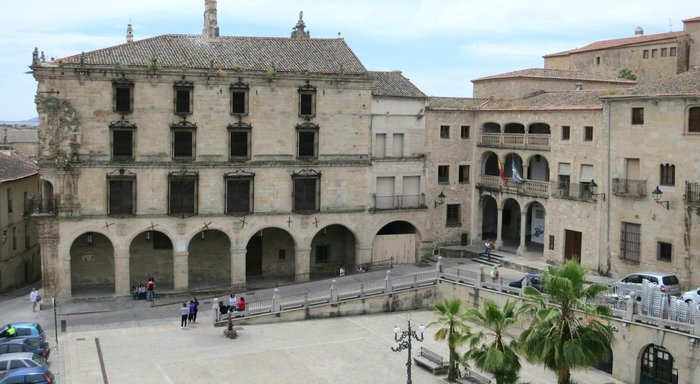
point(440, 45)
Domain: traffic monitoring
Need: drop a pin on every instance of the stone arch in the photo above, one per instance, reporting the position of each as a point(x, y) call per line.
point(270, 256)
point(510, 222)
point(209, 259)
point(397, 240)
point(535, 227)
point(332, 247)
point(657, 366)
point(539, 128)
point(491, 127)
point(489, 164)
point(514, 128)
point(489, 217)
point(92, 265)
point(510, 160)
point(151, 255)
point(538, 168)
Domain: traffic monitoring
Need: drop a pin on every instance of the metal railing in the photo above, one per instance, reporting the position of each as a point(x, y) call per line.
point(692, 194)
point(398, 202)
point(40, 206)
point(629, 187)
point(576, 191)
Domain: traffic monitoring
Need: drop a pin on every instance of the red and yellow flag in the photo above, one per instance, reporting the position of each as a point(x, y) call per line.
point(501, 172)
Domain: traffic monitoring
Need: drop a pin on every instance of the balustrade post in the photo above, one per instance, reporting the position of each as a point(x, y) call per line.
point(215, 309)
point(334, 292)
point(276, 304)
point(631, 302)
point(480, 278)
point(696, 331)
point(439, 267)
point(389, 288)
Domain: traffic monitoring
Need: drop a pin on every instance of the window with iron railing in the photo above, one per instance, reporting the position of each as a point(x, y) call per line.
point(692, 193)
point(628, 187)
point(630, 241)
point(454, 215)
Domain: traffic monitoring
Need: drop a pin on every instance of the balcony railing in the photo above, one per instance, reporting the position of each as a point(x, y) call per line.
point(692, 194)
point(516, 140)
point(40, 206)
point(399, 202)
point(575, 191)
point(629, 187)
point(528, 187)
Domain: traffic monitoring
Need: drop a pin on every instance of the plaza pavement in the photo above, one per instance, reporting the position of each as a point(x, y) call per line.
point(125, 341)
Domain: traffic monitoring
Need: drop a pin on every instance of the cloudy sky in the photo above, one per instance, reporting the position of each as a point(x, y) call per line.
point(439, 44)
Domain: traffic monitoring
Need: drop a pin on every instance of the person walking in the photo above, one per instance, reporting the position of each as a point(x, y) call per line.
point(185, 313)
point(488, 246)
point(196, 309)
point(34, 297)
point(495, 273)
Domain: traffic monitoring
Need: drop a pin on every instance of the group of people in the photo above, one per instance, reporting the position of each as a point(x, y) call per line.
point(144, 291)
point(235, 304)
point(359, 269)
point(189, 312)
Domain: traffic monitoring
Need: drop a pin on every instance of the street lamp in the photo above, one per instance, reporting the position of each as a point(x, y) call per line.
point(593, 188)
point(404, 340)
point(656, 194)
point(440, 199)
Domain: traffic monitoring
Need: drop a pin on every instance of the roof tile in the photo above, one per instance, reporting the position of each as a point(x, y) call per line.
point(393, 83)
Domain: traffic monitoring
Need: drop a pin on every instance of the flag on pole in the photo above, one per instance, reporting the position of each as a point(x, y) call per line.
point(516, 176)
point(501, 171)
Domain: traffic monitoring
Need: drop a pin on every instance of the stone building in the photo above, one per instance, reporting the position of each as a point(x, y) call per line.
point(220, 161)
point(19, 247)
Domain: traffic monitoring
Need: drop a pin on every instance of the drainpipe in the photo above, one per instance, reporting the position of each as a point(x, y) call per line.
point(609, 187)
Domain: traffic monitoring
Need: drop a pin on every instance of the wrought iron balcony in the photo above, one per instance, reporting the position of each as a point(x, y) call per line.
point(528, 187)
point(574, 191)
point(398, 202)
point(629, 187)
point(536, 141)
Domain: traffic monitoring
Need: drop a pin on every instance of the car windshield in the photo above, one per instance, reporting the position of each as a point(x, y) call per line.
point(38, 359)
point(670, 280)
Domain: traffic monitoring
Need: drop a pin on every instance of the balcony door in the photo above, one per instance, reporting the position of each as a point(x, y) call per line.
point(632, 176)
point(385, 193)
point(411, 192)
point(572, 246)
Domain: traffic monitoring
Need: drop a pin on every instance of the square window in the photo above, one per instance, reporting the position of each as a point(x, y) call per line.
point(463, 174)
point(122, 98)
point(630, 241)
point(323, 254)
point(565, 132)
point(663, 52)
point(653, 53)
point(464, 131)
point(239, 195)
point(645, 54)
point(182, 193)
point(444, 131)
point(239, 101)
point(597, 60)
point(183, 101)
point(306, 194)
point(667, 174)
point(637, 116)
point(664, 251)
point(443, 174)
point(122, 144)
point(454, 215)
point(183, 144)
point(672, 51)
point(307, 144)
point(240, 144)
point(694, 120)
point(122, 195)
point(587, 133)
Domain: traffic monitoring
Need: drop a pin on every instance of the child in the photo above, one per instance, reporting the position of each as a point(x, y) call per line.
point(495, 273)
point(185, 312)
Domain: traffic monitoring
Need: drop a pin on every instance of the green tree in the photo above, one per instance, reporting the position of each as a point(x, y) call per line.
point(451, 319)
point(494, 349)
point(565, 333)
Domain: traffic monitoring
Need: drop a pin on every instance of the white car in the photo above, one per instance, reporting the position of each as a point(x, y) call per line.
point(693, 295)
point(16, 360)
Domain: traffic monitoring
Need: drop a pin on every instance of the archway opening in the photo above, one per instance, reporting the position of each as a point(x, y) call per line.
point(92, 265)
point(395, 243)
point(489, 218)
point(151, 255)
point(535, 228)
point(510, 223)
point(209, 260)
point(270, 259)
point(657, 366)
point(332, 247)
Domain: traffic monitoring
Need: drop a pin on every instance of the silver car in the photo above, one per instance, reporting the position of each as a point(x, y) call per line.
point(10, 361)
point(693, 295)
point(668, 282)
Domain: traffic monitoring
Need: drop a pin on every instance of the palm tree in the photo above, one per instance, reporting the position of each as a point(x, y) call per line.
point(558, 336)
point(451, 318)
point(494, 352)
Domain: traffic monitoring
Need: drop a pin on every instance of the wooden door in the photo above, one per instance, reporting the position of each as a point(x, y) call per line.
point(572, 246)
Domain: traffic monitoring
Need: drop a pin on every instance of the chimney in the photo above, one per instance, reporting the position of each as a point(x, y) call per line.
point(211, 30)
point(638, 31)
point(579, 86)
point(129, 34)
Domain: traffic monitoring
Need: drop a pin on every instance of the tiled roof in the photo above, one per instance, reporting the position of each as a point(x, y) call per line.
point(14, 166)
point(393, 84)
point(455, 103)
point(692, 20)
point(247, 53)
point(684, 84)
point(550, 101)
point(614, 43)
point(558, 74)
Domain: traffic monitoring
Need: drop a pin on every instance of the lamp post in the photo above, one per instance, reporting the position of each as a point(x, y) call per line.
point(656, 194)
point(404, 340)
point(440, 199)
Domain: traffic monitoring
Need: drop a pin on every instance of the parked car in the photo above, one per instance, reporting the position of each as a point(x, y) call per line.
point(10, 361)
point(693, 295)
point(668, 282)
point(34, 375)
point(536, 281)
point(40, 348)
point(24, 330)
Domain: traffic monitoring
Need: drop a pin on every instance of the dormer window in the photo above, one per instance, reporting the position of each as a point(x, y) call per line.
point(123, 95)
point(183, 90)
point(307, 100)
point(239, 97)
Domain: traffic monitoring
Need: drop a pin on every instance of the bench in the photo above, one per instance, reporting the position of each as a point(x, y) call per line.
point(471, 377)
point(431, 361)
